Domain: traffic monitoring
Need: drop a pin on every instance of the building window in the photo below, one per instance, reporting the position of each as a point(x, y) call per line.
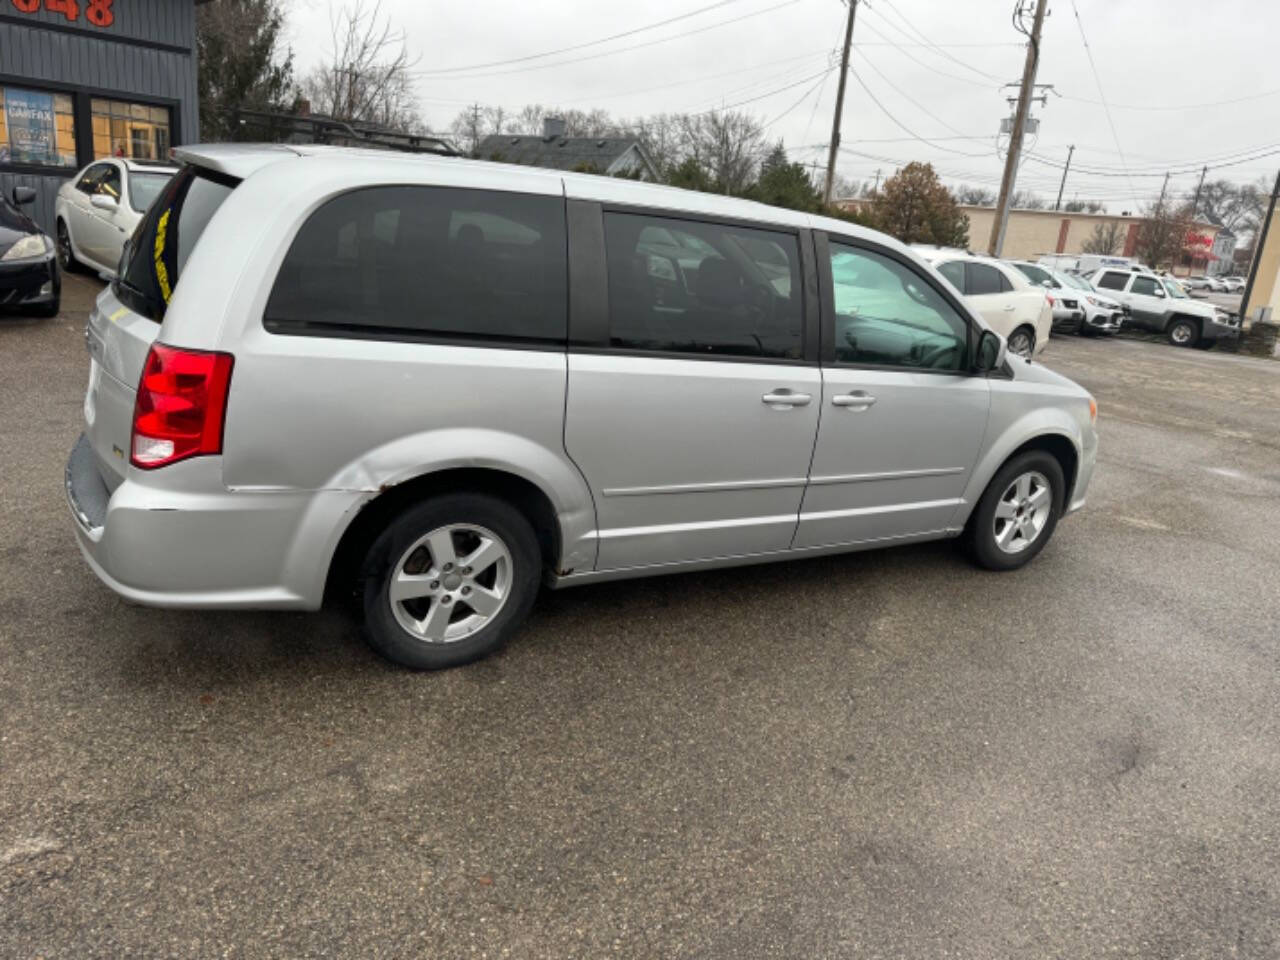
point(37, 128)
point(135, 130)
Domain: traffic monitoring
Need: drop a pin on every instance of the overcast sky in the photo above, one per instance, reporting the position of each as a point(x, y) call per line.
point(1165, 66)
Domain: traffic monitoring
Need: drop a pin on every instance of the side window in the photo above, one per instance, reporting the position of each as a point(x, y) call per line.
point(427, 261)
point(887, 314)
point(954, 271)
point(109, 183)
point(702, 288)
point(984, 279)
point(1147, 286)
point(89, 181)
point(1036, 274)
point(1113, 280)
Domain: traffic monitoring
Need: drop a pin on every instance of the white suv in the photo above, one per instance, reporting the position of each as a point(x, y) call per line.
point(436, 383)
point(1013, 306)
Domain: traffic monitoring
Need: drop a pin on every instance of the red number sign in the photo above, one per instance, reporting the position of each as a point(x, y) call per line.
point(97, 12)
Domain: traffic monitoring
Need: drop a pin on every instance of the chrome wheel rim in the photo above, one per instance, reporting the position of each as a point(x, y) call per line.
point(450, 583)
point(1181, 333)
point(1022, 512)
point(1020, 344)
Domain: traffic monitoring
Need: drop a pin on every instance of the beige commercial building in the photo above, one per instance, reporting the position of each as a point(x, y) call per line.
point(1031, 233)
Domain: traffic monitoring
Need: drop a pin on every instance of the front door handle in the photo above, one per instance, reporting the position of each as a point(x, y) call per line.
point(786, 398)
point(855, 399)
point(1010, 308)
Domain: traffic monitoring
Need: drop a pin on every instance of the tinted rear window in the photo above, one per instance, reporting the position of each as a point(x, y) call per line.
point(427, 262)
point(1113, 281)
point(155, 255)
point(984, 279)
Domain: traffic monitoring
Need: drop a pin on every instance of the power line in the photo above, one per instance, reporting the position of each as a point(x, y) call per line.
point(1192, 169)
point(905, 129)
point(1177, 107)
point(579, 46)
point(803, 97)
point(919, 33)
point(1103, 97)
point(606, 53)
point(911, 100)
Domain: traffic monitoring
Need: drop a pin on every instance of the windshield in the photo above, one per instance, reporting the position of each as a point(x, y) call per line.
point(145, 187)
point(1080, 283)
point(154, 256)
point(1175, 289)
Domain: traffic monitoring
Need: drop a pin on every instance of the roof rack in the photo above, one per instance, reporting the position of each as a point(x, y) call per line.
point(311, 128)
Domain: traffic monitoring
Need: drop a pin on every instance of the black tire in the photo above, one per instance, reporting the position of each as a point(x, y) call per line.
point(384, 631)
point(1183, 332)
point(62, 240)
point(1023, 331)
point(980, 534)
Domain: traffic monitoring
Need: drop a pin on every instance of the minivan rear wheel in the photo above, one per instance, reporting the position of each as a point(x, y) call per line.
point(449, 581)
point(1018, 512)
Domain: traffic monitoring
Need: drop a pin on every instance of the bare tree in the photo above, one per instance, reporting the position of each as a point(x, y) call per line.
point(1106, 238)
point(1084, 206)
point(368, 80)
point(728, 146)
point(1026, 200)
point(469, 127)
point(1164, 231)
point(975, 196)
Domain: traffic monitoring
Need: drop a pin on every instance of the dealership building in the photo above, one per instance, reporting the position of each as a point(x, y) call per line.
point(83, 79)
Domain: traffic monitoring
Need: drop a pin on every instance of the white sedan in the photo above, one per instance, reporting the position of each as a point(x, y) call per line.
point(1011, 305)
point(98, 208)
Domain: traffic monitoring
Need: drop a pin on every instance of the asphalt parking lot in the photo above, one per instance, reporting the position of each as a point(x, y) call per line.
point(879, 755)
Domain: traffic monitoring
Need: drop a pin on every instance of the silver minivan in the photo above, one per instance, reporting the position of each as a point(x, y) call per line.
point(436, 383)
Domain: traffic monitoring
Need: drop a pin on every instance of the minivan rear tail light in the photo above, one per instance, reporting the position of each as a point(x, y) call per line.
point(181, 405)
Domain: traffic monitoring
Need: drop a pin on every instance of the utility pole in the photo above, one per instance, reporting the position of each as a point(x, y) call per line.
point(877, 186)
point(1195, 204)
point(835, 123)
point(1070, 150)
point(1259, 245)
point(1163, 187)
point(1019, 123)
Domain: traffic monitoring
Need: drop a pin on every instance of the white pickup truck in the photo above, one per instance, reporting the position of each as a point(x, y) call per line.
point(1161, 305)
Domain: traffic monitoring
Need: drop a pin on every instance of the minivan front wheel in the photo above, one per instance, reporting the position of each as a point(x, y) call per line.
point(1018, 511)
point(449, 581)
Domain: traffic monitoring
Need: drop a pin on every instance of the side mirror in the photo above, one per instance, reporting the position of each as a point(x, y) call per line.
point(991, 352)
point(1159, 292)
point(103, 202)
point(23, 195)
point(1049, 284)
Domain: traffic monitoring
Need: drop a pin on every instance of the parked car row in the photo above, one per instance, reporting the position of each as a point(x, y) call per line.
point(1214, 284)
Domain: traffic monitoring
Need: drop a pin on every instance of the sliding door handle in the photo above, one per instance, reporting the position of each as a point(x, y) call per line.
point(855, 400)
point(786, 398)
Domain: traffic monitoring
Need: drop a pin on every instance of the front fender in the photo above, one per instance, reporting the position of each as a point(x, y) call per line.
point(1003, 439)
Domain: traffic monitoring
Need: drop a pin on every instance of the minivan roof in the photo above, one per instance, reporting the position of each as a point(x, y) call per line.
point(240, 160)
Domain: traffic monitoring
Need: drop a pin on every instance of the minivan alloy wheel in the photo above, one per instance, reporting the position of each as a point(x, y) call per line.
point(1022, 512)
point(450, 583)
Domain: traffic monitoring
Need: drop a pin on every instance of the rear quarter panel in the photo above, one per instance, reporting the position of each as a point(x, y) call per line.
point(312, 413)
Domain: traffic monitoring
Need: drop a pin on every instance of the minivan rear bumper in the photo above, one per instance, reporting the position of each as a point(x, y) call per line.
point(202, 546)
